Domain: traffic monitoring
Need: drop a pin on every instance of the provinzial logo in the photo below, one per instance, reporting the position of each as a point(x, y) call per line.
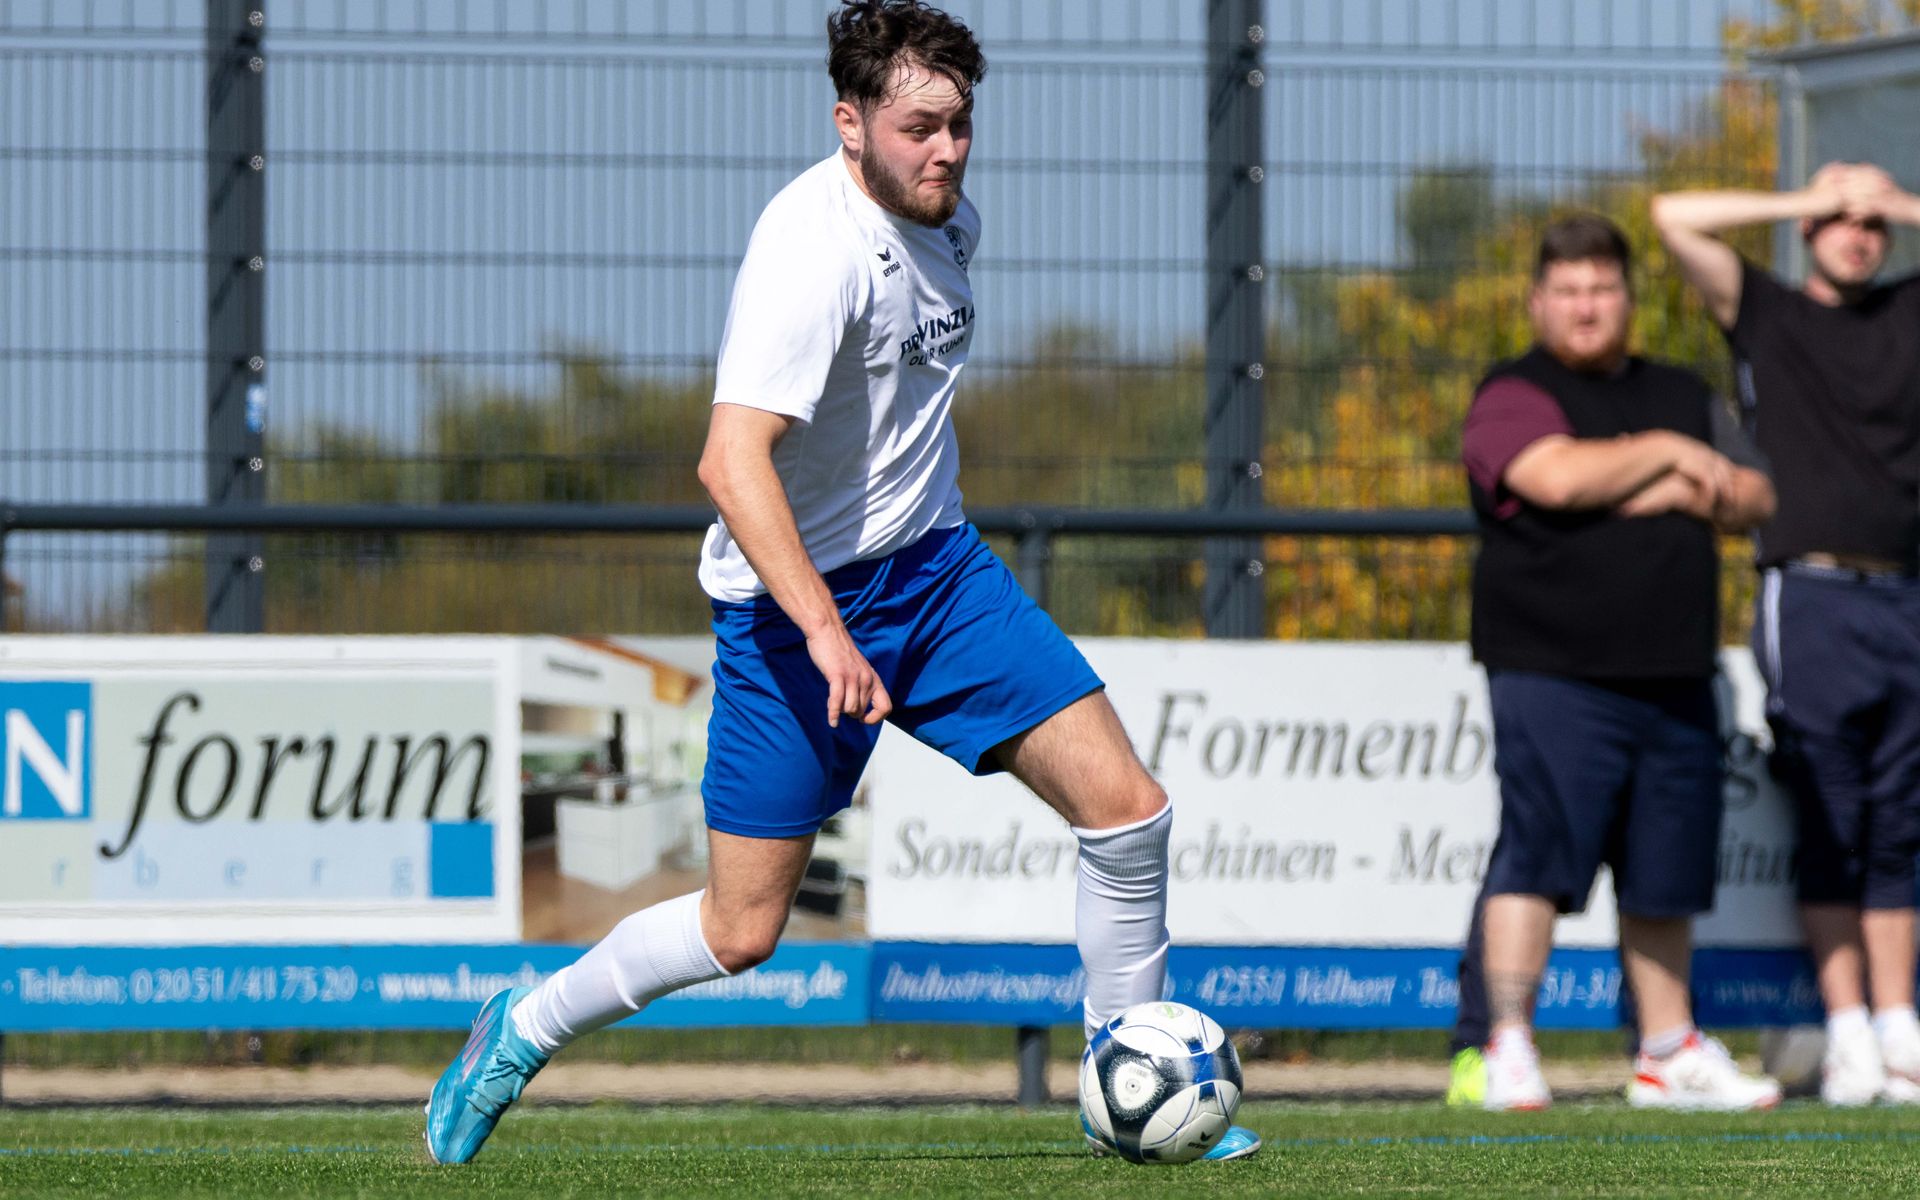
point(46, 746)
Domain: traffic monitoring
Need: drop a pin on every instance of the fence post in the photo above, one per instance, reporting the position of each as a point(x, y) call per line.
point(1236, 311)
point(1031, 1043)
point(236, 306)
point(1032, 550)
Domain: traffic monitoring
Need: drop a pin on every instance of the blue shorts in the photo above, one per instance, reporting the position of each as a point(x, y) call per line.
point(1626, 774)
point(968, 659)
point(1841, 656)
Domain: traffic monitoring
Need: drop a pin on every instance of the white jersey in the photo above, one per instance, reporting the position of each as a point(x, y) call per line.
point(856, 323)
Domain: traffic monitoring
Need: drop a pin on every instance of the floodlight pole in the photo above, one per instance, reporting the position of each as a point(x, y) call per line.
point(236, 307)
point(1236, 311)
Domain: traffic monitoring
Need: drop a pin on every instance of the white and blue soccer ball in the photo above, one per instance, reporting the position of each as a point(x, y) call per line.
point(1160, 1083)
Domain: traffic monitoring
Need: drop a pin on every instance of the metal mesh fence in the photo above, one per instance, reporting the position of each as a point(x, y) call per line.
point(501, 236)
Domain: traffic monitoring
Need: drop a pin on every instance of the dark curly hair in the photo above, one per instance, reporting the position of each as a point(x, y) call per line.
point(866, 39)
point(1581, 236)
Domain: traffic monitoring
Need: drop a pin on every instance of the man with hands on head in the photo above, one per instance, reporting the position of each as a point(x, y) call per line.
point(1600, 479)
point(1829, 383)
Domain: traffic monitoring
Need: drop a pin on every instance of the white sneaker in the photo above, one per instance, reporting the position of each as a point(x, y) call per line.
point(1514, 1082)
point(1699, 1076)
point(1852, 1073)
point(1900, 1058)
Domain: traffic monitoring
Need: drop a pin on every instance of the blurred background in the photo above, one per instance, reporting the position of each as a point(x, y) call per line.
point(428, 253)
point(497, 237)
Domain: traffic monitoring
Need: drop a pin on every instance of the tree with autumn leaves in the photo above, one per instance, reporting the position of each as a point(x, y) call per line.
point(1383, 365)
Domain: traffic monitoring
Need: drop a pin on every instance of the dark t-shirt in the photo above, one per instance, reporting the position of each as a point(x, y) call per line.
point(1832, 397)
point(1587, 593)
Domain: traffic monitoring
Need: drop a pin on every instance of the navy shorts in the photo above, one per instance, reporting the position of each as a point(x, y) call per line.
point(1625, 774)
point(968, 659)
point(1841, 657)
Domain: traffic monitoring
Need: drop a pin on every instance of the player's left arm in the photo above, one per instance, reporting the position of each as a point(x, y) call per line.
point(1745, 501)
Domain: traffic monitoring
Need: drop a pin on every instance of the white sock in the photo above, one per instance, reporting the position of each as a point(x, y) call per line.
point(1120, 918)
point(1848, 1022)
point(1899, 1020)
point(655, 951)
point(1667, 1042)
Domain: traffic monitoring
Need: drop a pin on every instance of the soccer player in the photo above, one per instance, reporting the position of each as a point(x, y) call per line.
point(848, 588)
point(1829, 378)
point(1598, 489)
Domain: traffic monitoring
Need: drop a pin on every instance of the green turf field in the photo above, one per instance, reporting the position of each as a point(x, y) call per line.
point(1323, 1150)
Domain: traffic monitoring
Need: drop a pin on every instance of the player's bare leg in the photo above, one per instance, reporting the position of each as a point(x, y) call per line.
point(732, 925)
point(751, 883)
point(1081, 763)
point(1519, 936)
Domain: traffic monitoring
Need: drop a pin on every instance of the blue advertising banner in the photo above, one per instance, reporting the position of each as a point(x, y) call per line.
point(383, 987)
point(831, 983)
point(1316, 987)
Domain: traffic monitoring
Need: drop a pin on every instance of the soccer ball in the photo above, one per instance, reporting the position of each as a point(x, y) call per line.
point(1160, 1083)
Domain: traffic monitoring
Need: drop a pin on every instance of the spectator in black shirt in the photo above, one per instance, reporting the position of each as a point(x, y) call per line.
point(1596, 615)
point(1829, 380)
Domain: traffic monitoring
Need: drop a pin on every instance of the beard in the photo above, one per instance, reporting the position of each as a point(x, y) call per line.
point(898, 196)
point(1591, 359)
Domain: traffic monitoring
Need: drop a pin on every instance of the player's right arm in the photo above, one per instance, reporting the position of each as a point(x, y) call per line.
point(737, 470)
point(1688, 222)
point(1519, 446)
point(1562, 472)
point(798, 292)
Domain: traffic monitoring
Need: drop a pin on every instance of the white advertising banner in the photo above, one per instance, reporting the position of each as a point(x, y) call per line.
point(1324, 794)
point(259, 789)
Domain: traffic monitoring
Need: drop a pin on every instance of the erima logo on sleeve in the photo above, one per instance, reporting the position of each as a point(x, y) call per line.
point(46, 751)
point(886, 256)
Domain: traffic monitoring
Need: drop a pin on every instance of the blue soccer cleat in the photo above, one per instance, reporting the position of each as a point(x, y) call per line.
point(1237, 1142)
point(1100, 1146)
point(489, 1074)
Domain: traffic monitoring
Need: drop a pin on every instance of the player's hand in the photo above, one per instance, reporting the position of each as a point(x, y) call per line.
point(853, 686)
point(1672, 492)
point(1827, 189)
point(1867, 191)
point(1706, 468)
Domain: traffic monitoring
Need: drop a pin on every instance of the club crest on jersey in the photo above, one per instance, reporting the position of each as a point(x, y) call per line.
point(959, 247)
